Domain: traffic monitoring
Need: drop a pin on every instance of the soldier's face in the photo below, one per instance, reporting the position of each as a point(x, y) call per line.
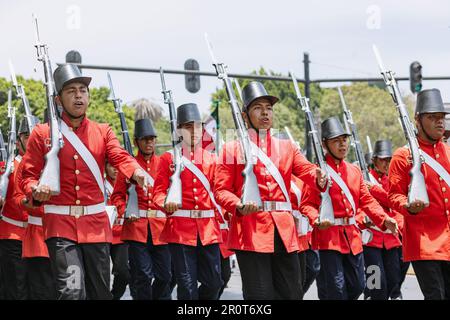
point(146, 145)
point(111, 171)
point(74, 98)
point(433, 124)
point(191, 133)
point(260, 113)
point(382, 164)
point(338, 147)
point(24, 138)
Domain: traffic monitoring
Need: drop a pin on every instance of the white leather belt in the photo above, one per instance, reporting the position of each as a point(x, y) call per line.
point(37, 221)
point(14, 222)
point(344, 221)
point(76, 211)
point(151, 214)
point(276, 206)
point(119, 221)
point(223, 226)
point(194, 213)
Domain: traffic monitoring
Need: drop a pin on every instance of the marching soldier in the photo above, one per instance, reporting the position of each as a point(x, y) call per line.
point(119, 249)
point(426, 235)
point(41, 283)
point(382, 250)
point(149, 256)
point(192, 231)
point(12, 230)
point(76, 225)
point(341, 275)
point(265, 240)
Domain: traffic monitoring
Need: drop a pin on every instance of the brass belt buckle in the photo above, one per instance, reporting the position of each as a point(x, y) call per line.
point(77, 211)
point(196, 214)
point(151, 213)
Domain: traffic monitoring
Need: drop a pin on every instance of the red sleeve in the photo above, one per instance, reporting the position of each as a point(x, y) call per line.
point(371, 206)
point(380, 195)
point(33, 161)
point(119, 195)
point(119, 157)
point(399, 181)
point(309, 206)
point(162, 181)
point(224, 179)
point(305, 170)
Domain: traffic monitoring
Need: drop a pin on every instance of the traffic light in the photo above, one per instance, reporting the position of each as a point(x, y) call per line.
point(192, 81)
point(73, 56)
point(415, 76)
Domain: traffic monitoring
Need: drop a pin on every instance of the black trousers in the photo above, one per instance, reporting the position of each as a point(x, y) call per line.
point(312, 268)
point(225, 268)
point(388, 264)
point(269, 276)
point(41, 283)
point(434, 278)
point(193, 264)
point(81, 270)
point(341, 276)
point(13, 270)
point(120, 269)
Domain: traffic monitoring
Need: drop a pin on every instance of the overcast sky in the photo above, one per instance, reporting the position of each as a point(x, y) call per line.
point(245, 34)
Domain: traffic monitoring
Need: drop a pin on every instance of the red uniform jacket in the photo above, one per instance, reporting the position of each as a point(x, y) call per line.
point(33, 244)
point(379, 192)
point(137, 230)
point(255, 232)
point(224, 251)
point(426, 235)
point(347, 238)
point(12, 211)
point(117, 228)
point(78, 185)
point(185, 230)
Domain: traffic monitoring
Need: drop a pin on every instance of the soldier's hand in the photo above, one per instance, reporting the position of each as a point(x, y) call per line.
point(248, 208)
point(141, 179)
point(41, 193)
point(415, 207)
point(323, 225)
point(391, 225)
point(26, 203)
point(321, 178)
point(170, 207)
point(369, 185)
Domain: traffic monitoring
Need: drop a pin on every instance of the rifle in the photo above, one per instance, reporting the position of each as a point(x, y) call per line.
point(417, 187)
point(21, 93)
point(4, 180)
point(369, 144)
point(355, 137)
point(3, 153)
point(174, 194)
point(51, 173)
point(326, 211)
point(250, 189)
point(132, 209)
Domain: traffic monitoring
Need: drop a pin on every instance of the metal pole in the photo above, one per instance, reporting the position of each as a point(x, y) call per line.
point(308, 142)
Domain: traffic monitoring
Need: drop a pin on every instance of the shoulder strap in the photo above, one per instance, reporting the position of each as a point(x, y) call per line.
point(343, 186)
point(18, 158)
point(297, 192)
point(437, 167)
point(109, 187)
point(84, 153)
point(201, 176)
point(270, 166)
